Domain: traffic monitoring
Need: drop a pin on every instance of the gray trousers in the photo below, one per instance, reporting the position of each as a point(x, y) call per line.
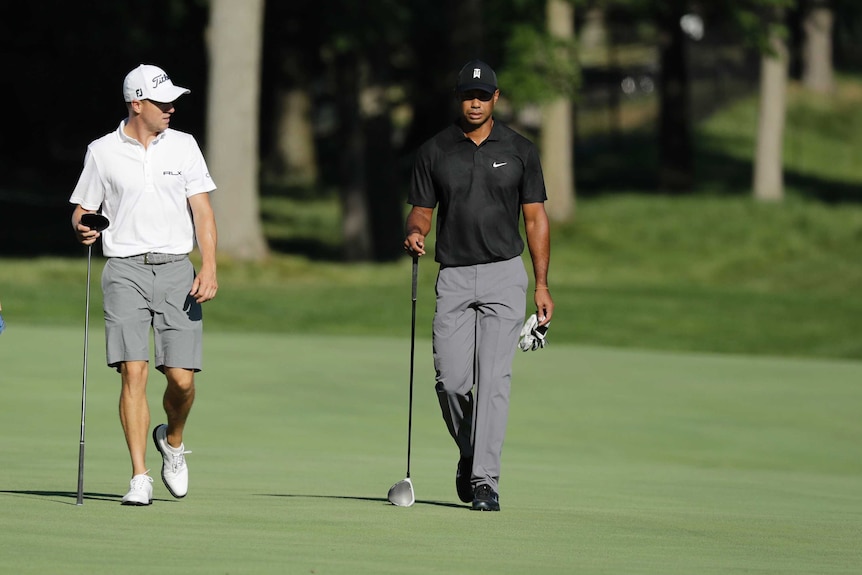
point(477, 322)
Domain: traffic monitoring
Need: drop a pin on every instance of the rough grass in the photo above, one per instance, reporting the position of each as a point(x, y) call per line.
point(702, 273)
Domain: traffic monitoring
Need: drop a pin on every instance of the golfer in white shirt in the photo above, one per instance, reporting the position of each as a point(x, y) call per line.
point(153, 185)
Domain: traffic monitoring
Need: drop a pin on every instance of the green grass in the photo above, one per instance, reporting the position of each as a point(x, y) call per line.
point(615, 462)
point(822, 139)
point(701, 273)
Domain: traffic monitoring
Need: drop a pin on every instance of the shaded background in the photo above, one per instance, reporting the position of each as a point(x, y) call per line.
point(63, 69)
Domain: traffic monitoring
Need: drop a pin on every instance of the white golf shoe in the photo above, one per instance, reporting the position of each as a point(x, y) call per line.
point(140, 490)
point(175, 472)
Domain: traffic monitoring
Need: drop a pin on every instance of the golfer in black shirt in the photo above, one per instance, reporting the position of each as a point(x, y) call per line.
point(482, 176)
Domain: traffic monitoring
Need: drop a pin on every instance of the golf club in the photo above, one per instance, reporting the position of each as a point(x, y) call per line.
point(401, 494)
point(96, 222)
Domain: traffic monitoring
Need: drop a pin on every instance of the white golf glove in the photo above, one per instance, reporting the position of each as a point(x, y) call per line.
point(533, 336)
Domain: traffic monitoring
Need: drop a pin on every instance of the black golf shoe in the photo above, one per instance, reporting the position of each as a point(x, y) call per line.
point(486, 499)
point(462, 479)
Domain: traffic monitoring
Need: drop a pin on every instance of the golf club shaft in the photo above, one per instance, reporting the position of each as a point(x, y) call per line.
point(412, 355)
point(84, 384)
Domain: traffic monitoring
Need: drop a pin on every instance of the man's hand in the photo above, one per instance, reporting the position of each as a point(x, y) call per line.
point(415, 244)
point(544, 305)
point(84, 234)
point(532, 334)
point(205, 286)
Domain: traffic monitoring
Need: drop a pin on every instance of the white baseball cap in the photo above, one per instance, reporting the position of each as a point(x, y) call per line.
point(148, 82)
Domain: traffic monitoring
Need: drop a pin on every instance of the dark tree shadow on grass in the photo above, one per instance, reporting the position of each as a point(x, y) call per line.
point(310, 247)
point(629, 164)
point(731, 176)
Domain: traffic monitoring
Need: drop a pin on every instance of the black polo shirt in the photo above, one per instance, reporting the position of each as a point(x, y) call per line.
point(479, 190)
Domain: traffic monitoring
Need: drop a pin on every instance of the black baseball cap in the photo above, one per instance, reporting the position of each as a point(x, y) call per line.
point(477, 75)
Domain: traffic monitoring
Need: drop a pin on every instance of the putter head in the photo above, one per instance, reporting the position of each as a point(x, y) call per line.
point(96, 222)
point(401, 494)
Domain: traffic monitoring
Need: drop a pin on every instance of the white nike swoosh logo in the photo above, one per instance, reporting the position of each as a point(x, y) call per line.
point(496, 165)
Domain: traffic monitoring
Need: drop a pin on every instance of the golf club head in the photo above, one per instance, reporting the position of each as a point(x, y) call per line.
point(96, 222)
point(401, 494)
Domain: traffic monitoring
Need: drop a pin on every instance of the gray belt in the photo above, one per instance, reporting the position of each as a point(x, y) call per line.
point(154, 258)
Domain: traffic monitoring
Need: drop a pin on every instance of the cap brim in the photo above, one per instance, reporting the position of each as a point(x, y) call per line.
point(476, 86)
point(172, 92)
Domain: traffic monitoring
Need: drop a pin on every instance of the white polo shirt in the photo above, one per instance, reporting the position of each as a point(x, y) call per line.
point(143, 191)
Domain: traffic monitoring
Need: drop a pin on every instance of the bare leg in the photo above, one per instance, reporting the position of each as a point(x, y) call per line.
point(177, 401)
point(135, 412)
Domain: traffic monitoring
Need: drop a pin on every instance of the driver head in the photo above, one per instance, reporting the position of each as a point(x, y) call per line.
point(96, 222)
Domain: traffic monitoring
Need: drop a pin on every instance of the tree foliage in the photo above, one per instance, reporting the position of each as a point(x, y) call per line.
point(380, 71)
point(757, 22)
point(539, 67)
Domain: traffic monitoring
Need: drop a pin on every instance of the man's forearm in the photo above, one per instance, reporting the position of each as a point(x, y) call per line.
point(539, 243)
point(418, 222)
point(207, 241)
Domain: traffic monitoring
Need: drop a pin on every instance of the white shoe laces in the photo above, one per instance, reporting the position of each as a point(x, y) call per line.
point(178, 460)
point(139, 482)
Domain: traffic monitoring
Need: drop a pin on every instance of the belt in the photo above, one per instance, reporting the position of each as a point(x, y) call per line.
point(155, 259)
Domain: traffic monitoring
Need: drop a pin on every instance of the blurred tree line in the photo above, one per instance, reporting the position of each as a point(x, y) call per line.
point(321, 97)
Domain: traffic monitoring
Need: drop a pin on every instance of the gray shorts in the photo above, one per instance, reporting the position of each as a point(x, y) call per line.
point(140, 296)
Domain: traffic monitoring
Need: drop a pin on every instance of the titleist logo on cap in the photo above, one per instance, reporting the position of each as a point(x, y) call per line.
point(159, 79)
point(148, 82)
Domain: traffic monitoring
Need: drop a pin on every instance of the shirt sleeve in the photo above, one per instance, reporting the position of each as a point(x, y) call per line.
point(198, 179)
point(533, 188)
point(422, 192)
point(89, 192)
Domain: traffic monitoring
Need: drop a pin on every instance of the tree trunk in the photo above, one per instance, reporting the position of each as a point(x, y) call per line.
point(676, 161)
point(295, 137)
point(817, 71)
point(557, 135)
point(467, 31)
point(593, 36)
point(234, 36)
point(355, 222)
point(444, 37)
point(384, 195)
point(768, 172)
